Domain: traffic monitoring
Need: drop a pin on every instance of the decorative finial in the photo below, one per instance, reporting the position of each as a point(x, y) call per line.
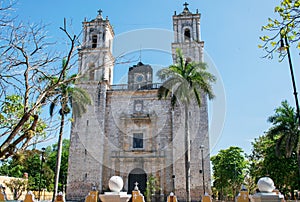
point(94, 187)
point(136, 186)
point(115, 183)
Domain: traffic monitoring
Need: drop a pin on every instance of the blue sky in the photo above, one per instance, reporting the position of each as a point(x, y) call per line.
point(253, 86)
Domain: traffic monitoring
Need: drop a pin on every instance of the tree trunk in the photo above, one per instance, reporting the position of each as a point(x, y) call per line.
point(187, 154)
point(58, 157)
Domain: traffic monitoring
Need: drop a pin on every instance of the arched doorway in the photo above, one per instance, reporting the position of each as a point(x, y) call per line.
point(137, 175)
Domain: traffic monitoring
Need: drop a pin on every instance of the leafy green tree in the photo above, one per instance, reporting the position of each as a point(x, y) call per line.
point(150, 187)
point(229, 170)
point(67, 95)
point(265, 162)
point(29, 162)
point(278, 151)
point(185, 81)
point(285, 129)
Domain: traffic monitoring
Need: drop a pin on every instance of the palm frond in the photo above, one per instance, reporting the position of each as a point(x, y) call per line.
point(186, 80)
point(284, 129)
point(198, 97)
point(162, 92)
point(79, 101)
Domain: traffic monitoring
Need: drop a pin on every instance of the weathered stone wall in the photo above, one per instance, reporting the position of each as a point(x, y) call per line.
point(101, 142)
point(86, 148)
point(198, 128)
point(122, 121)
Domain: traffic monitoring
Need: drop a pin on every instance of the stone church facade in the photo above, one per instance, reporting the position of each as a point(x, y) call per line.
point(129, 132)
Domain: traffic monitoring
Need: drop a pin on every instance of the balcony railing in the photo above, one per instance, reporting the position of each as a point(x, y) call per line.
point(129, 87)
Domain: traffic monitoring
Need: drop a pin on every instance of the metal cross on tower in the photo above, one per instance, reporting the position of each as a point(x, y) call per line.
point(100, 12)
point(185, 5)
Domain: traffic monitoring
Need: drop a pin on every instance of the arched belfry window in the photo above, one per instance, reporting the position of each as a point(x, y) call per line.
point(94, 41)
point(187, 34)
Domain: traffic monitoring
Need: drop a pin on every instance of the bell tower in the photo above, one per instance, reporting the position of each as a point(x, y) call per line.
point(187, 37)
point(96, 61)
point(95, 65)
point(186, 27)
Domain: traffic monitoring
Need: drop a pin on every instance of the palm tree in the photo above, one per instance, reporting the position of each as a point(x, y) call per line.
point(67, 96)
point(285, 131)
point(185, 81)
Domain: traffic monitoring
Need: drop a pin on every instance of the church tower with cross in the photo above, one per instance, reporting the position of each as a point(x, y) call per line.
point(96, 61)
point(187, 37)
point(128, 131)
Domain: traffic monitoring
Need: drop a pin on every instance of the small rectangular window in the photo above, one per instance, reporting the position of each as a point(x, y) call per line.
point(94, 41)
point(138, 141)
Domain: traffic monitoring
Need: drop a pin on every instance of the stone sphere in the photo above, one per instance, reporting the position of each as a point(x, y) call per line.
point(115, 183)
point(265, 184)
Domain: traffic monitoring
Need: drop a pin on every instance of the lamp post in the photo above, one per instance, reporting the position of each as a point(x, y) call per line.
point(41, 171)
point(285, 45)
point(202, 148)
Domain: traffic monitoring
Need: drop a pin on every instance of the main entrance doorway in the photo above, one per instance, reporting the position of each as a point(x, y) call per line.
point(137, 175)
